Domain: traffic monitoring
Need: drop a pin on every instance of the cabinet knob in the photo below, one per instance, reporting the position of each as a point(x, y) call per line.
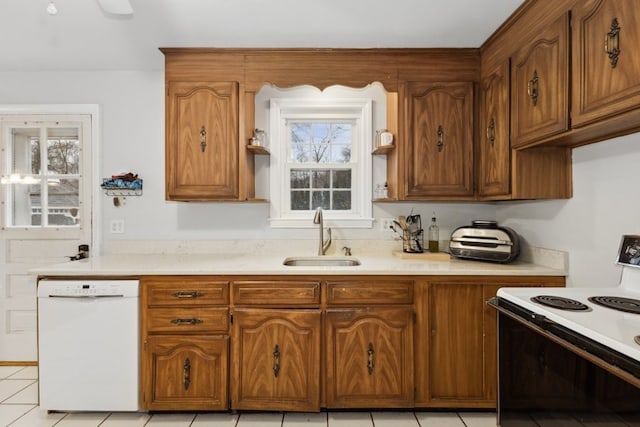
point(440, 143)
point(187, 294)
point(532, 88)
point(491, 131)
point(276, 361)
point(186, 374)
point(370, 358)
point(612, 43)
point(192, 321)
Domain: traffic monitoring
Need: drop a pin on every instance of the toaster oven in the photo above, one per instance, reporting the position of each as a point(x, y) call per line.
point(485, 241)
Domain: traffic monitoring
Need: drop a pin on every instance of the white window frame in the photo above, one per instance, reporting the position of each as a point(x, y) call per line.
point(357, 110)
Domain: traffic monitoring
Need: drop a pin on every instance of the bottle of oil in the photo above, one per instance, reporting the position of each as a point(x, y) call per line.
point(434, 235)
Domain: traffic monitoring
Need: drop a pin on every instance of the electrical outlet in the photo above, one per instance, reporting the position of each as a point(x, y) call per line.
point(116, 226)
point(386, 224)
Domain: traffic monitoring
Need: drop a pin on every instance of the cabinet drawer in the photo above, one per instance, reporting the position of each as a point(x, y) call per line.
point(370, 292)
point(188, 291)
point(191, 320)
point(267, 293)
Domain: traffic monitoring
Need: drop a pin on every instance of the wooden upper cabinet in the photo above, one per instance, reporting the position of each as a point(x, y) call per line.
point(606, 59)
point(439, 152)
point(540, 86)
point(494, 176)
point(202, 123)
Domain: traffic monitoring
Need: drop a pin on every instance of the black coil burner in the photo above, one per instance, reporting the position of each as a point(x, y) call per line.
point(628, 305)
point(560, 303)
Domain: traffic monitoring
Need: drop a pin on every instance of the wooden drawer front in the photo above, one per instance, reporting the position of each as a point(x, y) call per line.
point(192, 320)
point(370, 292)
point(266, 293)
point(187, 292)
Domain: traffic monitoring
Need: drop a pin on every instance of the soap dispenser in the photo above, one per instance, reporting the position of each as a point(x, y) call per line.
point(434, 235)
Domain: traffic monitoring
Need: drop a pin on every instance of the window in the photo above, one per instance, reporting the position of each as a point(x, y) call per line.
point(320, 158)
point(42, 175)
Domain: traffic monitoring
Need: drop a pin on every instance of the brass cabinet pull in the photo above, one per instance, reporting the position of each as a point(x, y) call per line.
point(276, 361)
point(532, 88)
point(192, 321)
point(188, 294)
point(491, 131)
point(186, 374)
point(203, 139)
point(440, 143)
point(612, 43)
point(370, 358)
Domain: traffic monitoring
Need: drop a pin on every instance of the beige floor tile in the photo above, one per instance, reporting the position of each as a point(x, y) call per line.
point(350, 419)
point(170, 420)
point(301, 419)
point(10, 387)
point(439, 419)
point(10, 413)
point(394, 419)
point(28, 395)
point(265, 419)
point(6, 371)
point(215, 420)
point(126, 419)
point(26, 373)
point(83, 419)
point(37, 418)
point(479, 419)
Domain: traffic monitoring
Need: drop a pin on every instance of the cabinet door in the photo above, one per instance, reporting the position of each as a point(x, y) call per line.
point(439, 156)
point(539, 86)
point(494, 174)
point(369, 358)
point(456, 368)
point(202, 141)
point(276, 357)
point(185, 373)
point(606, 59)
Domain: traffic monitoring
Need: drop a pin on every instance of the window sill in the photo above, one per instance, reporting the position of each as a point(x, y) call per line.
point(328, 222)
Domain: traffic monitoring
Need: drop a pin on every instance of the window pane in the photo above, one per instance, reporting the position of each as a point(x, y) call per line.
point(300, 178)
point(321, 199)
point(321, 179)
point(63, 150)
point(25, 149)
point(341, 200)
point(342, 178)
point(341, 153)
point(64, 200)
point(25, 200)
point(300, 200)
point(299, 153)
point(321, 142)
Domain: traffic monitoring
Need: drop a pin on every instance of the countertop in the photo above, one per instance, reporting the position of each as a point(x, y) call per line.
point(271, 264)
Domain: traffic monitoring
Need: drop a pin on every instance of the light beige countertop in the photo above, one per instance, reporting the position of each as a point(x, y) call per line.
point(272, 264)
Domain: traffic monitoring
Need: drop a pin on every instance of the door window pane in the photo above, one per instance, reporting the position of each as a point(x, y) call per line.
point(63, 151)
point(25, 149)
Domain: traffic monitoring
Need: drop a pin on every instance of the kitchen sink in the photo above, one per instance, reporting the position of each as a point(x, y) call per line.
point(321, 261)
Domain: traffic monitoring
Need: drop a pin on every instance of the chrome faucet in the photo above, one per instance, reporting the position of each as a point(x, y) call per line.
point(322, 245)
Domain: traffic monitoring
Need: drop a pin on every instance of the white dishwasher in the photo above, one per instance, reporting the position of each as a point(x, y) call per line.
point(88, 345)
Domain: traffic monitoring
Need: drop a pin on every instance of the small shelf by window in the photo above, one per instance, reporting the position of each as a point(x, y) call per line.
point(113, 188)
point(383, 149)
point(258, 149)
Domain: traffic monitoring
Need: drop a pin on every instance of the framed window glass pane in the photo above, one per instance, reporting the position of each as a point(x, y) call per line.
point(341, 153)
point(64, 202)
point(25, 204)
point(341, 200)
point(320, 152)
point(300, 200)
point(300, 153)
point(342, 178)
point(321, 199)
point(300, 178)
point(25, 150)
point(321, 179)
point(63, 150)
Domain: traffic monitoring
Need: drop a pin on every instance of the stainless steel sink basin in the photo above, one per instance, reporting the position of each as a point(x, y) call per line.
point(321, 261)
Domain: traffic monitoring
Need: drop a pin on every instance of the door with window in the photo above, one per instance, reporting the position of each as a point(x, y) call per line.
point(45, 196)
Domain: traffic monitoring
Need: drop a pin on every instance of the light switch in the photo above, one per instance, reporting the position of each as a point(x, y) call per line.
point(116, 226)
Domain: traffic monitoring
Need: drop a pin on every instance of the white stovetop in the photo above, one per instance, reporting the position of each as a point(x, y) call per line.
point(613, 328)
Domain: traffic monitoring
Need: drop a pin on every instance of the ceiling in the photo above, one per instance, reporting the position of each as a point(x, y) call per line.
point(82, 37)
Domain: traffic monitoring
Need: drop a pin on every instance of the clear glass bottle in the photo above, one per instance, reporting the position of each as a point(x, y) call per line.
point(434, 235)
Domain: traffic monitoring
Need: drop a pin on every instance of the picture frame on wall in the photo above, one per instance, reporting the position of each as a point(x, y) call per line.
point(629, 252)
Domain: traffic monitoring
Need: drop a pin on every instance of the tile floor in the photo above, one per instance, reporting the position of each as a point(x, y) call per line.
point(19, 397)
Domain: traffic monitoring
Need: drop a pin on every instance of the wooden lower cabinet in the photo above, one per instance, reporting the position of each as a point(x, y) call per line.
point(186, 372)
point(276, 359)
point(369, 356)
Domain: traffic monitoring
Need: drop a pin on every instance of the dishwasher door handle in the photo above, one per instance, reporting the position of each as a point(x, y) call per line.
point(86, 296)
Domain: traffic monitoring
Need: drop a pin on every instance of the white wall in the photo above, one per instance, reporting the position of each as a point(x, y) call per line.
point(589, 226)
point(132, 108)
